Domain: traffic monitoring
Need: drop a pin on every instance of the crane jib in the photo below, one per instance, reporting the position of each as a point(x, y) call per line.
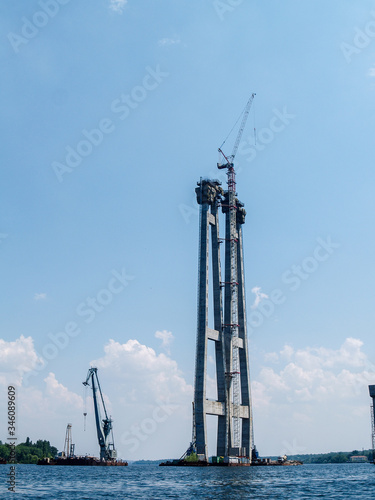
point(229, 163)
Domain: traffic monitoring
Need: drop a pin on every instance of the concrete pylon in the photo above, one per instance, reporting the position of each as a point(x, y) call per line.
point(233, 404)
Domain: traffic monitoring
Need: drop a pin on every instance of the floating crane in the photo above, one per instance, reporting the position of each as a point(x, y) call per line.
point(103, 426)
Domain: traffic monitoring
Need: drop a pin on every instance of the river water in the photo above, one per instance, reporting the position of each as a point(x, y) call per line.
point(341, 481)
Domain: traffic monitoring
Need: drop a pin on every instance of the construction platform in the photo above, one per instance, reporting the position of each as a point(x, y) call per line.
point(82, 461)
point(231, 462)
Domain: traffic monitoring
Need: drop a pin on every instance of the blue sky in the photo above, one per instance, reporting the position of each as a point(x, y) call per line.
point(127, 208)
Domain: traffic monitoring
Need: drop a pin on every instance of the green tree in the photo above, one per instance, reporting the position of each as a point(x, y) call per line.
point(29, 453)
point(4, 451)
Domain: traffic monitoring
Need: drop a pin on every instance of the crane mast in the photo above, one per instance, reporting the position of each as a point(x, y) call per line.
point(234, 303)
point(103, 426)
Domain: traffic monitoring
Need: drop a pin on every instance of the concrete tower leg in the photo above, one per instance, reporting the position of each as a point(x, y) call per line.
point(201, 346)
point(218, 326)
point(227, 328)
point(247, 423)
point(208, 194)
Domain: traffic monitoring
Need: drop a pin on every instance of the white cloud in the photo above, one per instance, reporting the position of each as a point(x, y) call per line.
point(143, 385)
point(301, 417)
point(40, 296)
point(269, 378)
point(145, 392)
point(118, 5)
point(43, 412)
point(144, 375)
point(260, 396)
point(60, 393)
point(372, 71)
point(320, 373)
point(349, 354)
point(166, 338)
point(287, 352)
point(16, 358)
point(259, 296)
point(315, 396)
point(168, 41)
point(53, 402)
point(272, 357)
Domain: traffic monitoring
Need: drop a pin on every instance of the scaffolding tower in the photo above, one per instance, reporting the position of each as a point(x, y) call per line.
point(68, 444)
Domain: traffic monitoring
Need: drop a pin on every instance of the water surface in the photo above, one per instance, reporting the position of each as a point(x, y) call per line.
point(341, 481)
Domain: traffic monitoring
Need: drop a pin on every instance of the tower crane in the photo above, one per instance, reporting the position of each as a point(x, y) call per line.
point(103, 426)
point(229, 159)
point(235, 215)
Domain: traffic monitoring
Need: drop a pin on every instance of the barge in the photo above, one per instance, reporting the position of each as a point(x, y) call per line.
point(82, 461)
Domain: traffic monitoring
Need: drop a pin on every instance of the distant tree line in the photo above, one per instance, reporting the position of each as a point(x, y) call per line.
point(340, 457)
point(29, 452)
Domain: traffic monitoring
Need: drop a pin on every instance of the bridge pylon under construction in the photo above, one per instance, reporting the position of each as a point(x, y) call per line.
point(233, 404)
